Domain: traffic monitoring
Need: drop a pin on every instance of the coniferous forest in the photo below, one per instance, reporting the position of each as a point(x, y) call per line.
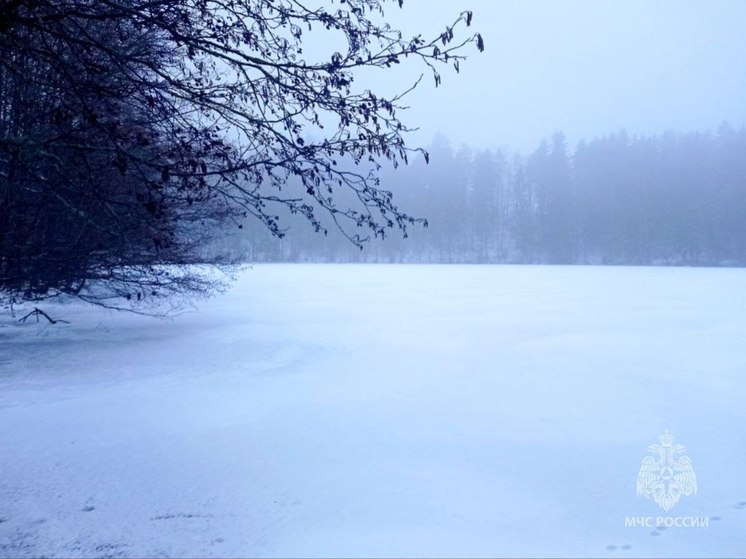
point(671, 199)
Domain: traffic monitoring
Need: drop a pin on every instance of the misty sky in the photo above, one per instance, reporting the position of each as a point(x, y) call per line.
point(587, 67)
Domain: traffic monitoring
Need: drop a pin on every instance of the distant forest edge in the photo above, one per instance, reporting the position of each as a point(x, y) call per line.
point(671, 199)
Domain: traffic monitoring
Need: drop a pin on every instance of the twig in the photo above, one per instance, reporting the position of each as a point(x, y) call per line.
point(37, 312)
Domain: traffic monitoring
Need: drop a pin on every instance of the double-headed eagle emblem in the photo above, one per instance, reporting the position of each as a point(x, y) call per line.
point(669, 476)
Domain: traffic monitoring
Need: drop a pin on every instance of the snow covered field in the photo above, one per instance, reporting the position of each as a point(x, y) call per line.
point(324, 410)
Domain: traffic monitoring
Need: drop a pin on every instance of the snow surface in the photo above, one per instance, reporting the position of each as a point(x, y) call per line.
point(324, 410)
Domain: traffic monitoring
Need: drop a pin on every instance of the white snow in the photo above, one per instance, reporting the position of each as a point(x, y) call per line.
point(324, 410)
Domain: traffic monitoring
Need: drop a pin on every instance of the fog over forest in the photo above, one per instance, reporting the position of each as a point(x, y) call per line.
point(675, 198)
point(587, 133)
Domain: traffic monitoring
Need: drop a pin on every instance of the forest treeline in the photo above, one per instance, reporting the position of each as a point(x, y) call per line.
point(674, 198)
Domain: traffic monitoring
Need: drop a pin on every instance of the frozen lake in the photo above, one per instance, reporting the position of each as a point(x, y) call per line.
point(343, 410)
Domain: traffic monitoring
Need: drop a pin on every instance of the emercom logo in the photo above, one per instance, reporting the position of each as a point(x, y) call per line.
point(667, 475)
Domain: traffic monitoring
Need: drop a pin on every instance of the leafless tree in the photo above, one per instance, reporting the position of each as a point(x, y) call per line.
point(131, 129)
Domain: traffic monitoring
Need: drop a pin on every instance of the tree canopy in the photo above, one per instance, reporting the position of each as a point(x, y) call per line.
point(133, 130)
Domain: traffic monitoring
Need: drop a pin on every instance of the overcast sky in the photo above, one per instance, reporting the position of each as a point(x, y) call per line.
point(586, 67)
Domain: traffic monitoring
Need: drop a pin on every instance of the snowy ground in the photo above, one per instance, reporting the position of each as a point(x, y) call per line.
point(323, 410)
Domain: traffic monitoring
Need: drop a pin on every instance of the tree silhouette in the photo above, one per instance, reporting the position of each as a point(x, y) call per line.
point(133, 130)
